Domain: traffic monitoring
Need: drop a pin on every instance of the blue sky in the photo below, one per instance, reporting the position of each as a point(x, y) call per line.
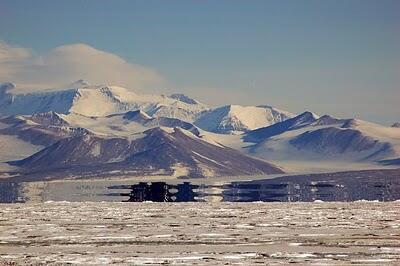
point(339, 57)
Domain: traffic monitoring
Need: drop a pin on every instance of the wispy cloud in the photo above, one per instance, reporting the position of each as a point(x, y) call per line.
point(68, 63)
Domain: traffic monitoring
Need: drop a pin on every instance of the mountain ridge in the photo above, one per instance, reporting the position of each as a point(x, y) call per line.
point(131, 143)
point(324, 138)
point(100, 100)
point(196, 140)
point(176, 152)
point(94, 101)
point(233, 119)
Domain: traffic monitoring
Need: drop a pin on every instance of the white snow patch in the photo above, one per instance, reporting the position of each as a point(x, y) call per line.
point(234, 119)
point(180, 170)
point(209, 159)
point(13, 148)
point(96, 150)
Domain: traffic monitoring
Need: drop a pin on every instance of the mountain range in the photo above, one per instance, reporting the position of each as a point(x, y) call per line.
point(91, 131)
point(309, 137)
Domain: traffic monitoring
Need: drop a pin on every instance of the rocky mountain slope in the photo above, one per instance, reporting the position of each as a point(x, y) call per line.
point(85, 130)
point(122, 144)
point(309, 137)
point(174, 152)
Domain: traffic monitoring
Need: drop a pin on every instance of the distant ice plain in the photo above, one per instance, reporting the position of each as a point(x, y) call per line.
point(363, 233)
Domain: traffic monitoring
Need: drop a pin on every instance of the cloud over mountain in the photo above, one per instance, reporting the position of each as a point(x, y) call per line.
point(59, 66)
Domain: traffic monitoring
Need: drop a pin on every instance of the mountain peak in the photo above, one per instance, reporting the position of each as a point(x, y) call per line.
point(351, 123)
point(50, 118)
point(136, 115)
point(326, 120)
point(234, 119)
point(4, 87)
point(308, 114)
point(304, 118)
point(183, 98)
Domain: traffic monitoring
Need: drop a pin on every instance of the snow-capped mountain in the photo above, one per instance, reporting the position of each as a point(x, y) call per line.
point(99, 101)
point(309, 137)
point(299, 121)
point(236, 119)
point(81, 98)
point(131, 143)
point(94, 130)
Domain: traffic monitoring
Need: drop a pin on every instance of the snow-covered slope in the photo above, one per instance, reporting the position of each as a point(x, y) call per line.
point(126, 124)
point(100, 101)
point(97, 101)
point(235, 119)
point(21, 104)
point(39, 129)
point(304, 119)
point(14, 148)
point(308, 137)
